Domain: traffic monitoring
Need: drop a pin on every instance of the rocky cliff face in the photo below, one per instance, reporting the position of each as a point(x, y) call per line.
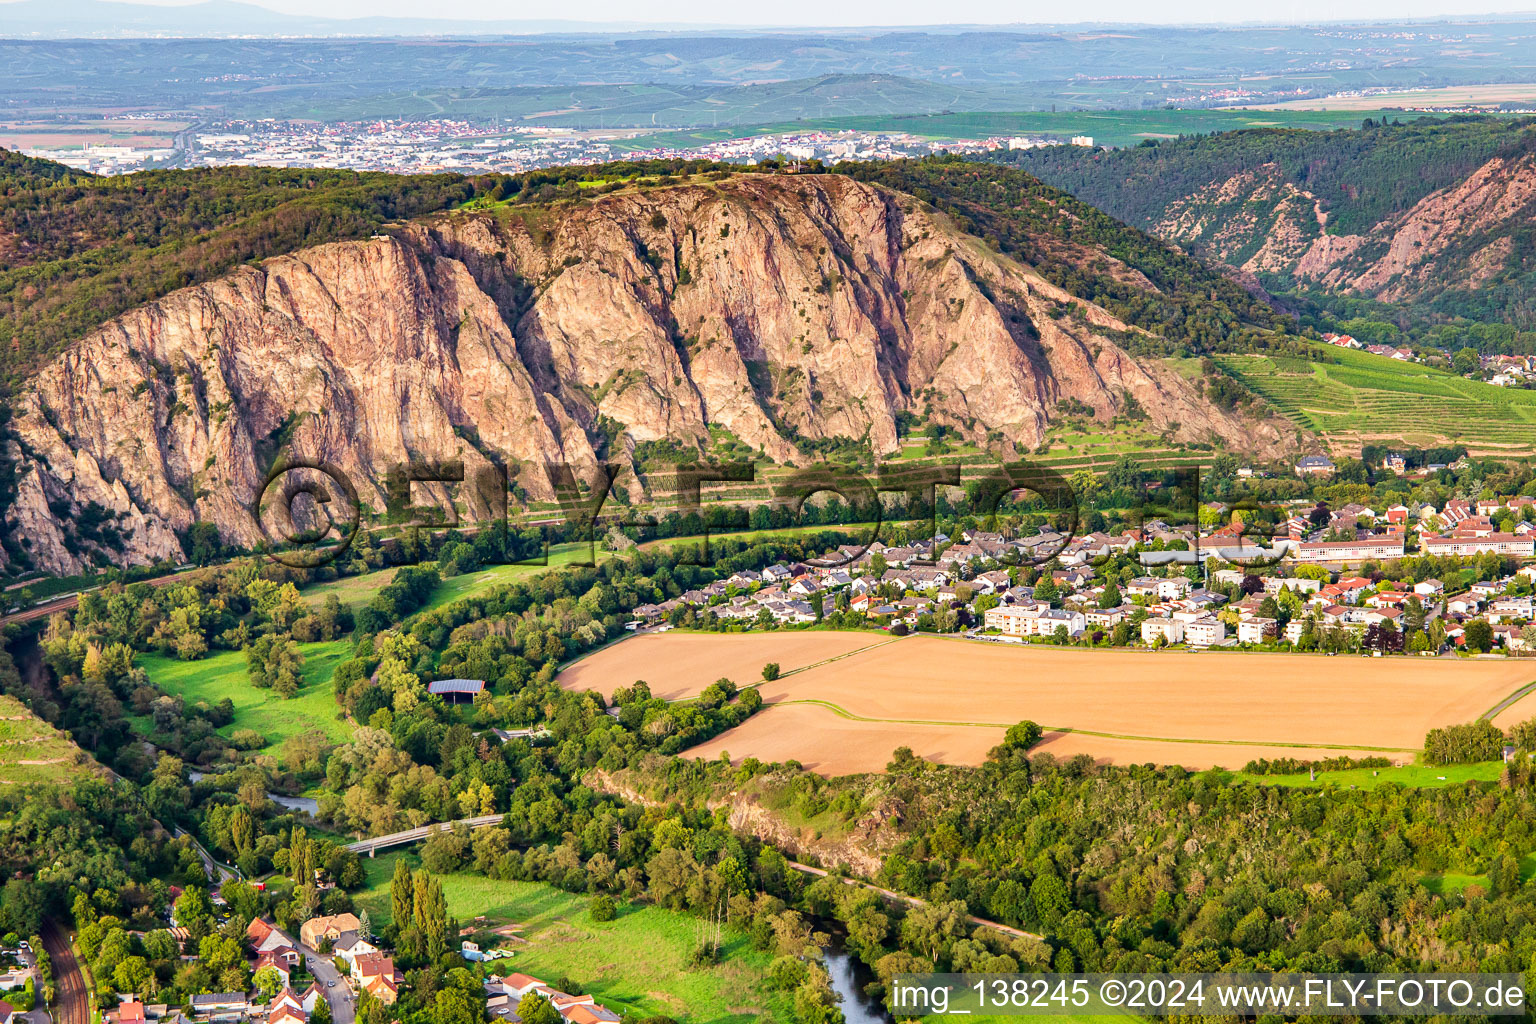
point(1460, 238)
point(779, 308)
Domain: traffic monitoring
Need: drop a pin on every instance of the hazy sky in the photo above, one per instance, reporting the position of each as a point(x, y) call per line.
point(907, 12)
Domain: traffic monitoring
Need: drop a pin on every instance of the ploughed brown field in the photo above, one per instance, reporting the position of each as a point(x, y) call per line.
point(950, 699)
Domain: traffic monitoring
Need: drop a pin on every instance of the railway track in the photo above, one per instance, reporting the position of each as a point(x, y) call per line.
point(72, 1001)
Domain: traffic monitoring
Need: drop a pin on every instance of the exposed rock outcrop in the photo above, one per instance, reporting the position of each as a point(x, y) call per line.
point(1462, 237)
point(778, 308)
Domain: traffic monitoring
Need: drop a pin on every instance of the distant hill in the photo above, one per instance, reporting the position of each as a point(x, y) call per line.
point(1431, 218)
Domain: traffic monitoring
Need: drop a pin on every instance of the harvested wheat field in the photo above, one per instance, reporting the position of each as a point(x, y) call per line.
point(1252, 698)
point(1236, 702)
point(681, 664)
point(827, 743)
point(830, 744)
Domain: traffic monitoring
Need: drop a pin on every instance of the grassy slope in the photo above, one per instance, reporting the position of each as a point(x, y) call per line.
point(224, 675)
point(25, 737)
point(357, 591)
point(1364, 396)
point(638, 961)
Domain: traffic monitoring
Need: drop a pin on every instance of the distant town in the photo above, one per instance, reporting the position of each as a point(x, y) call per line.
point(416, 147)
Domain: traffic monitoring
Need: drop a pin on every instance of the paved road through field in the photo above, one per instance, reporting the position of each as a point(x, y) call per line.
point(72, 1005)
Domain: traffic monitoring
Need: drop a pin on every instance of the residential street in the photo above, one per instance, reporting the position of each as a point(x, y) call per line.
point(343, 1006)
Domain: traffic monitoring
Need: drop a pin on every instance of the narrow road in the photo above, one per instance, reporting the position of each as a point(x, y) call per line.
point(1512, 699)
point(218, 874)
point(337, 993)
point(73, 1002)
point(913, 901)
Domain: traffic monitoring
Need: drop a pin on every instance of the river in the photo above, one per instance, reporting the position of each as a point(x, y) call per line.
point(849, 976)
point(301, 804)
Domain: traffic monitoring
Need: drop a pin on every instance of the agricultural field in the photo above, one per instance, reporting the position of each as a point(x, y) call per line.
point(1364, 397)
point(32, 751)
point(636, 962)
point(223, 675)
point(1447, 96)
point(831, 743)
point(56, 134)
point(950, 699)
point(677, 664)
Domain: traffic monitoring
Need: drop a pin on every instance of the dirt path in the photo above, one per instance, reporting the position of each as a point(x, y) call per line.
point(72, 1005)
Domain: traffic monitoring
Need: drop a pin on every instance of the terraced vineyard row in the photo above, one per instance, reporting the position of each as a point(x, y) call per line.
point(1365, 396)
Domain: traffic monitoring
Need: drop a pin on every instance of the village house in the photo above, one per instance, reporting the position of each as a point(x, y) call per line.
point(318, 929)
point(266, 937)
point(1205, 631)
point(1464, 604)
point(376, 975)
point(1257, 630)
point(1105, 618)
point(503, 995)
point(349, 946)
point(1169, 629)
point(1314, 465)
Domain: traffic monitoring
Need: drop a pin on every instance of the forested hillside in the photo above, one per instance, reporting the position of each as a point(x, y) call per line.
point(1429, 219)
point(1360, 176)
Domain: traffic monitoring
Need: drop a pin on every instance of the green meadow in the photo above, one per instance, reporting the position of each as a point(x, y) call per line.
point(223, 675)
point(1409, 775)
point(637, 962)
